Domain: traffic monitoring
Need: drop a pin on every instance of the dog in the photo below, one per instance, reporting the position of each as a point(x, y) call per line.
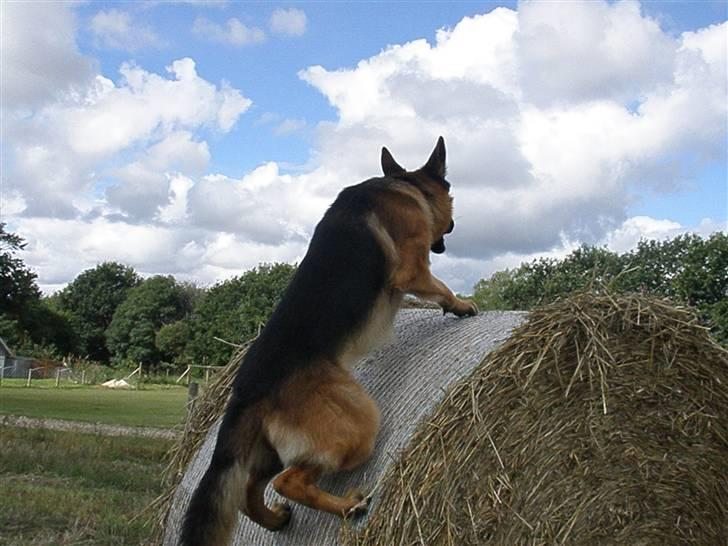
point(296, 412)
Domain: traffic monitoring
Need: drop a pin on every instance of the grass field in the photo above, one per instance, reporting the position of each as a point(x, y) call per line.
point(61, 488)
point(153, 406)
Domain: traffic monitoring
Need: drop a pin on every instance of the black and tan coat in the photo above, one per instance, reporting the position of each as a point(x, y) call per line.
point(296, 411)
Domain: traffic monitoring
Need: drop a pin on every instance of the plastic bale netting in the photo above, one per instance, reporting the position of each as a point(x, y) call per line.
point(408, 378)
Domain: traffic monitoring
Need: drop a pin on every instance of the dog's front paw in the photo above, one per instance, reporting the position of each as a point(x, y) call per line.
point(462, 308)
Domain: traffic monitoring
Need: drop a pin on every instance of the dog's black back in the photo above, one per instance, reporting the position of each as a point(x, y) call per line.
point(329, 297)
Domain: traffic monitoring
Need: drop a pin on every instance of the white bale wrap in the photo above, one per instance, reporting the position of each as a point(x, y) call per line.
point(407, 378)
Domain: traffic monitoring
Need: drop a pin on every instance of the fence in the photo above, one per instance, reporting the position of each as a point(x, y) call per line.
point(188, 372)
point(60, 375)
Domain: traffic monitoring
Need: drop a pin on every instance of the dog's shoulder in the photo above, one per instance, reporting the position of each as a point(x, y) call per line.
point(330, 296)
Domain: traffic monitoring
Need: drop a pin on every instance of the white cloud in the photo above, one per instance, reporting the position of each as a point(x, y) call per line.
point(144, 102)
point(288, 126)
point(636, 228)
point(265, 206)
point(288, 22)
point(529, 170)
point(58, 151)
point(143, 186)
point(59, 249)
point(175, 212)
point(49, 66)
point(233, 33)
point(116, 29)
point(590, 51)
point(553, 116)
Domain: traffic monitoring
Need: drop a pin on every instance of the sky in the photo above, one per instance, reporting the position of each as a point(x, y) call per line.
point(199, 139)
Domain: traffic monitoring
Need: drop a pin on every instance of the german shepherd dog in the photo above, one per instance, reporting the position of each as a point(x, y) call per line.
point(296, 412)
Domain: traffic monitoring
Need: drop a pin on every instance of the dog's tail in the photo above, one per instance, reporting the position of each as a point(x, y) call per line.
point(242, 460)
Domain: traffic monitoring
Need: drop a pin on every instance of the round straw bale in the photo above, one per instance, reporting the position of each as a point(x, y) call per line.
point(407, 378)
point(602, 420)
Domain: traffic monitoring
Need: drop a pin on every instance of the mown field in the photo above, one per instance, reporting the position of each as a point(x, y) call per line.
point(71, 488)
point(153, 406)
point(61, 488)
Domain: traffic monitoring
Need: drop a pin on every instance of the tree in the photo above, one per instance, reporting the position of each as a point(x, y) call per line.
point(234, 310)
point(132, 333)
point(18, 285)
point(92, 299)
point(703, 276)
point(47, 331)
point(489, 294)
point(688, 269)
point(27, 322)
point(172, 339)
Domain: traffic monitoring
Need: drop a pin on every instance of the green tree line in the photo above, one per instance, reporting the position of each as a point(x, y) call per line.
point(687, 269)
point(110, 314)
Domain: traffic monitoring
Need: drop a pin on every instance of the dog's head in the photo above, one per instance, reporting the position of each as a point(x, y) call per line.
point(430, 180)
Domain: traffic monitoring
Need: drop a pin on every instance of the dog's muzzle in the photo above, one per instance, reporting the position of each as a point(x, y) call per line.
point(438, 247)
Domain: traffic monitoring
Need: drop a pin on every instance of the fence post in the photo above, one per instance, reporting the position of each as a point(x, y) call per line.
point(58, 377)
point(192, 391)
point(30, 373)
point(2, 372)
point(207, 376)
point(83, 377)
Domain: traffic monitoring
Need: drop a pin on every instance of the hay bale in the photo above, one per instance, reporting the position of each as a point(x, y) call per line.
point(602, 420)
point(407, 379)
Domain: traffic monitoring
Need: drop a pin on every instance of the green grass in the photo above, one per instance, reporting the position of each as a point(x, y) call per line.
point(153, 406)
point(61, 488)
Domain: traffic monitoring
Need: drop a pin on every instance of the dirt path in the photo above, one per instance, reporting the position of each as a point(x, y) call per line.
point(90, 428)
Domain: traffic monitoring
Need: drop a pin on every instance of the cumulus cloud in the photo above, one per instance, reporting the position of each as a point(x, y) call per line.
point(60, 249)
point(116, 29)
point(58, 152)
point(288, 22)
point(115, 115)
point(553, 115)
point(49, 68)
point(265, 206)
point(590, 51)
point(142, 187)
point(537, 155)
point(233, 32)
point(634, 229)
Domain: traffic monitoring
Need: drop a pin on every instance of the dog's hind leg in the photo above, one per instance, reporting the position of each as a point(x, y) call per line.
point(274, 518)
point(323, 423)
point(267, 466)
point(298, 483)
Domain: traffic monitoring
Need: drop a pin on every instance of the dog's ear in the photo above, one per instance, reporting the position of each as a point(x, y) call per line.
point(436, 164)
point(389, 165)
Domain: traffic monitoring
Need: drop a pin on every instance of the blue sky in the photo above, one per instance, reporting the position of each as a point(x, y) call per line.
point(566, 122)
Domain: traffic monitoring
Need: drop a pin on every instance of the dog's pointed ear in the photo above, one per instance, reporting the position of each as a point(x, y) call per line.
point(389, 165)
point(436, 164)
